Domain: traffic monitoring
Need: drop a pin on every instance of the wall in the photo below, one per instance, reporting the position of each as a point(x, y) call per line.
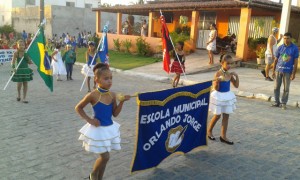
point(28, 19)
point(74, 21)
point(5, 12)
point(294, 27)
point(78, 3)
point(223, 18)
point(59, 19)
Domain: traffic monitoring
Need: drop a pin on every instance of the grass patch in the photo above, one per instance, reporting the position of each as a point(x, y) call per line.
point(121, 60)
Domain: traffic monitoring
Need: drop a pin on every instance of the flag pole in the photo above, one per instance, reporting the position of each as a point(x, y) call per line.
point(42, 23)
point(86, 75)
point(175, 51)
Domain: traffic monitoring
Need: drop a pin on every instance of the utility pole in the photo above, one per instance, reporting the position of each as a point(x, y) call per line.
point(41, 10)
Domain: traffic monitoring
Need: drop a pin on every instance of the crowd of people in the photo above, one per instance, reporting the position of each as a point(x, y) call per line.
point(81, 39)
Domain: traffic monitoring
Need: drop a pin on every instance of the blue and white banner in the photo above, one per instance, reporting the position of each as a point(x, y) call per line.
point(170, 121)
point(6, 55)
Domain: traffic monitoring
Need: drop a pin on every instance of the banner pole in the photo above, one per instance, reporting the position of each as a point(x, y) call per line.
point(42, 23)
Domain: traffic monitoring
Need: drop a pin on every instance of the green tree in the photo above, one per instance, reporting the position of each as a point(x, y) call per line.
point(6, 29)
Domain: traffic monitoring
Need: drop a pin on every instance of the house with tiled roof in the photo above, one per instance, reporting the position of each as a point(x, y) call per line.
point(230, 16)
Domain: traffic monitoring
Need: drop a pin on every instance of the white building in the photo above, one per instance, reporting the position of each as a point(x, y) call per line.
point(6, 6)
point(62, 15)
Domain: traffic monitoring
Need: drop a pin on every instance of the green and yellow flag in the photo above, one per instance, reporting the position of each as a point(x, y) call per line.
point(38, 54)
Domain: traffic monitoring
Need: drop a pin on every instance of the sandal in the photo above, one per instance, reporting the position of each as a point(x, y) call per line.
point(211, 138)
point(24, 101)
point(18, 99)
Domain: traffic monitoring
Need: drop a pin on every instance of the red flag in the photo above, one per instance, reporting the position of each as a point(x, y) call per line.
point(166, 45)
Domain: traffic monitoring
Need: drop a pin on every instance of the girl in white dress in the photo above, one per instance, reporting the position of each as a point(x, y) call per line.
point(57, 63)
point(211, 43)
point(222, 100)
point(101, 134)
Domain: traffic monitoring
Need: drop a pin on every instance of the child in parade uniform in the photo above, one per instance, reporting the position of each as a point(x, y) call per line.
point(87, 69)
point(178, 64)
point(69, 58)
point(222, 100)
point(23, 74)
point(57, 63)
point(100, 134)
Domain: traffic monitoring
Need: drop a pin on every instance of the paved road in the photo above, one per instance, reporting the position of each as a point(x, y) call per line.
point(39, 140)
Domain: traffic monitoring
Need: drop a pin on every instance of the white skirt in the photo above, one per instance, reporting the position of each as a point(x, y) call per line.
point(222, 102)
point(58, 67)
point(211, 46)
point(87, 71)
point(100, 139)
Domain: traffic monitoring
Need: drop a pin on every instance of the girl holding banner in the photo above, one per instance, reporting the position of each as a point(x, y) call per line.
point(23, 74)
point(101, 134)
point(222, 100)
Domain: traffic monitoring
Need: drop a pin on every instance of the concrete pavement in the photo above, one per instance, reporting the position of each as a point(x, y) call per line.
point(39, 140)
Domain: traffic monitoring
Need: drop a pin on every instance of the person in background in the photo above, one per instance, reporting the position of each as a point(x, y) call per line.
point(125, 29)
point(24, 36)
point(270, 53)
point(57, 63)
point(69, 58)
point(284, 69)
point(144, 29)
point(211, 43)
point(73, 44)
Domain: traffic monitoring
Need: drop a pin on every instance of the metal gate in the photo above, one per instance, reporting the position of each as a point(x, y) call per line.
point(234, 24)
point(202, 38)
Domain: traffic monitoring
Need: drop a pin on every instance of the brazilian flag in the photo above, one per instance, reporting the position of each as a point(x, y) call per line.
point(38, 54)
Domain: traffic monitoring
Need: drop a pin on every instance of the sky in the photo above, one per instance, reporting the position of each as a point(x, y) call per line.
point(126, 2)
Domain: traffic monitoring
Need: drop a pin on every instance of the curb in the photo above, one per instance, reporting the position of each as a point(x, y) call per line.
point(184, 82)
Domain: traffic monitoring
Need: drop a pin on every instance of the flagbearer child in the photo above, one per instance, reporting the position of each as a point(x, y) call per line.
point(87, 69)
point(69, 58)
point(23, 74)
point(178, 63)
point(101, 134)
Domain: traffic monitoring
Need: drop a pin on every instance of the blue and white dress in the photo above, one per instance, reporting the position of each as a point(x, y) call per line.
point(223, 100)
point(87, 69)
point(105, 137)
